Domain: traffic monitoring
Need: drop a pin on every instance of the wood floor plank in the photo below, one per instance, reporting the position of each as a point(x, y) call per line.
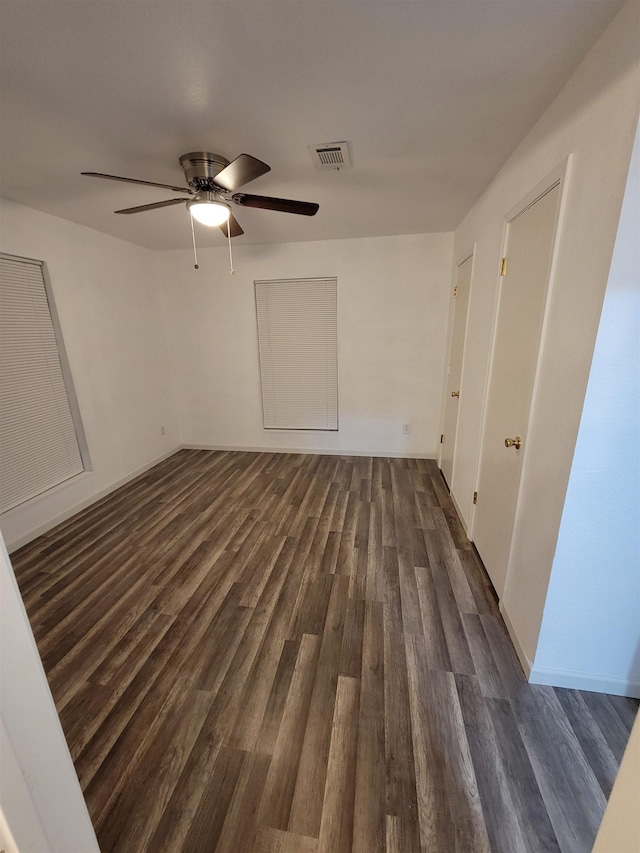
point(352, 639)
point(195, 778)
point(449, 807)
point(283, 772)
point(435, 642)
point(483, 593)
point(358, 579)
point(257, 687)
point(346, 550)
point(240, 827)
point(433, 813)
point(592, 740)
point(60, 612)
point(374, 585)
point(533, 819)
point(512, 677)
point(424, 507)
point(322, 532)
point(571, 793)
point(370, 792)
point(401, 798)
point(224, 635)
point(457, 577)
point(86, 646)
point(311, 607)
point(626, 708)
point(336, 827)
point(612, 728)
point(393, 834)
point(132, 818)
point(121, 763)
point(133, 649)
point(92, 757)
point(501, 819)
point(392, 596)
point(289, 653)
point(278, 841)
point(227, 702)
point(388, 518)
point(208, 820)
point(258, 567)
point(83, 715)
point(458, 647)
point(272, 717)
point(306, 808)
point(483, 661)
point(409, 599)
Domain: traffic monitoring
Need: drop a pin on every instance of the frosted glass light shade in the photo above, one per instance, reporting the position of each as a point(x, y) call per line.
point(209, 212)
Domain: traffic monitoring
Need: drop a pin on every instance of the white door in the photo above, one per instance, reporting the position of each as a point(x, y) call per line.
point(522, 299)
point(452, 398)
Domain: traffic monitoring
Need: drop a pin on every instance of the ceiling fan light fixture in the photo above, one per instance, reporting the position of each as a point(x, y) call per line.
point(209, 211)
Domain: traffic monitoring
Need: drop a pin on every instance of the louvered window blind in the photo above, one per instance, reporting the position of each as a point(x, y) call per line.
point(297, 338)
point(39, 446)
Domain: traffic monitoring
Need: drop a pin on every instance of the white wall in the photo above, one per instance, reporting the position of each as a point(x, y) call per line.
point(591, 623)
point(594, 118)
point(392, 316)
point(108, 299)
point(42, 804)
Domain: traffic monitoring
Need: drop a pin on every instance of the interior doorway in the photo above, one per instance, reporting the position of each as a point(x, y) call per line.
point(454, 370)
point(524, 283)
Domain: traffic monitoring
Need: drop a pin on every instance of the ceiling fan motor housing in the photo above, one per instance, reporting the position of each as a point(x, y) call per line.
point(201, 167)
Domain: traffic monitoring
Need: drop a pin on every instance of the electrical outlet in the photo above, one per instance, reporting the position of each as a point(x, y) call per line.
point(162, 430)
point(406, 429)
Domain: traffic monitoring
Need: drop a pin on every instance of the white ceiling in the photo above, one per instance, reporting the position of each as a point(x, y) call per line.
point(433, 95)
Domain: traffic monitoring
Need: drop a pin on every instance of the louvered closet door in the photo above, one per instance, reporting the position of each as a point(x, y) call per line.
point(38, 442)
point(297, 337)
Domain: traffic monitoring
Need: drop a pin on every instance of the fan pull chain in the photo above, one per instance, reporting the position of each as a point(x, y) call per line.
point(231, 269)
point(193, 237)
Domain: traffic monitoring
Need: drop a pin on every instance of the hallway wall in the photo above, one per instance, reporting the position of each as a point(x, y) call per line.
point(108, 301)
point(593, 119)
point(591, 631)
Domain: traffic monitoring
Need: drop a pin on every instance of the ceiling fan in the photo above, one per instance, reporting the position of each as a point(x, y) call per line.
point(212, 182)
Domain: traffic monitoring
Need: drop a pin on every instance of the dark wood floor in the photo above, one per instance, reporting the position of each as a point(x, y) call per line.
point(302, 654)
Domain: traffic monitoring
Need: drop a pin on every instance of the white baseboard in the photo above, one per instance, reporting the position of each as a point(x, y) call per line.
point(72, 510)
point(13, 545)
point(563, 678)
point(526, 664)
point(584, 681)
point(321, 451)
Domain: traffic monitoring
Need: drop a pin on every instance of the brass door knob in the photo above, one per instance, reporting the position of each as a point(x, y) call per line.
point(513, 442)
point(455, 393)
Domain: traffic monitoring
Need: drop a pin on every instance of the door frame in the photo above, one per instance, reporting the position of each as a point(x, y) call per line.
point(560, 176)
point(462, 257)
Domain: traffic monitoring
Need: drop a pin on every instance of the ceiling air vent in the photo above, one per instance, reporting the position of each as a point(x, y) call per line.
point(331, 155)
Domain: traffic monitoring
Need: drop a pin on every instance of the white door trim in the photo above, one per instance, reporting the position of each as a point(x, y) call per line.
point(471, 255)
point(464, 256)
point(557, 176)
point(560, 175)
point(41, 795)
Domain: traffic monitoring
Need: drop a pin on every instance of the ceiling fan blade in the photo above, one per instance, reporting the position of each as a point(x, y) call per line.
point(141, 208)
point(240, 171)
point(234, 226)
point(135, 181)
point(285, 205)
